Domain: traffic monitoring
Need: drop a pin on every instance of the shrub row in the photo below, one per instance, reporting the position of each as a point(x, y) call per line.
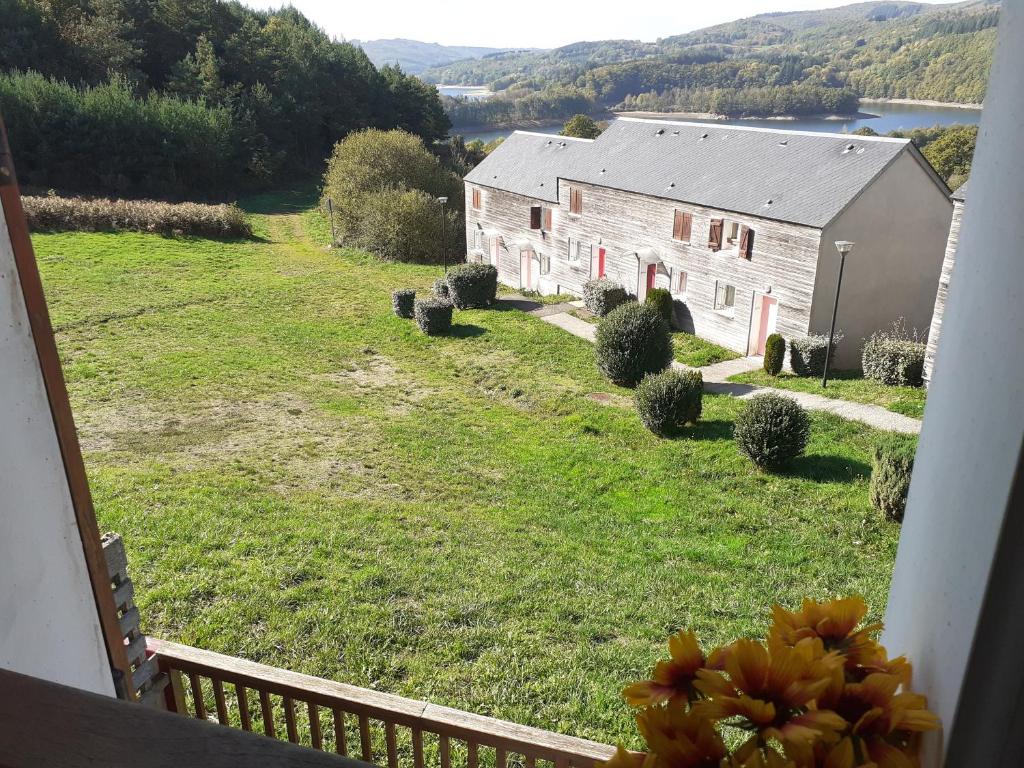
point(894, 358)
point(51, 213)
point(602, 296)
point(473, 285)
point(807, 354)
point(433, 316)
point(465, 286)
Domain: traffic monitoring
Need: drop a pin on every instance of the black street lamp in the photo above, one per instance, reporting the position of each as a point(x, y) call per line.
point(444, 245)
point(844, 247)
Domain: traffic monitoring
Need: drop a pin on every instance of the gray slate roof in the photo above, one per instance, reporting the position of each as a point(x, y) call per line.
point(961, 192)
point(809, 177)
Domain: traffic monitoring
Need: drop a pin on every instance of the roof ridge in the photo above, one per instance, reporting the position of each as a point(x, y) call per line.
point(550, 136)
point(759, 129)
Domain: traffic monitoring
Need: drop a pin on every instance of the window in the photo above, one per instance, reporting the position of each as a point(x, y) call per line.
point(545, 264)
point(479, 241)
point(732, 231)
point(535, 216)
point(679, 283)
point(715, 235)
point(575, 200)
point(578, 250)
point(682, 226)
point(725, 296)
point(476, 199)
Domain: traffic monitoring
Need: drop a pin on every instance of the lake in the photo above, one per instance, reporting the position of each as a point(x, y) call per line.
point(889, 117)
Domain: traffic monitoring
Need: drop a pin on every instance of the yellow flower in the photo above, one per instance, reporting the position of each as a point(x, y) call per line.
point(673, 679)
point(834, 623)
point(676, 739)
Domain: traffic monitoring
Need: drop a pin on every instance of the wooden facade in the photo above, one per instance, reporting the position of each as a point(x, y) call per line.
point(638, 232)
point(940, 296)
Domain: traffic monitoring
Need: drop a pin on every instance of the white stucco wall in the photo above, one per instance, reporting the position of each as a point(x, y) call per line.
point(899, 223)
point(49, 627)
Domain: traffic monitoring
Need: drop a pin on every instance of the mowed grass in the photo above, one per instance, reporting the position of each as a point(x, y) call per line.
point(305, 480)
point(846, 385)
point(698, 352)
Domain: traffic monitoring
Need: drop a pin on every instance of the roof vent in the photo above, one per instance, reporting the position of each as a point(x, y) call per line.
point(784, 143)
point(849, 148)
point(564, 144)
point(703, 136)
point(550, 142)
point(671, 184)
point(770, 201)
point(542, 183)
point(602, 170)
point(660, 132)
point(860, 151)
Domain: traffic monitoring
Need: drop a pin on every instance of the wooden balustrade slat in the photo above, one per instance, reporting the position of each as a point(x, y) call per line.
point(473, 755)
point(445, 750)
point(289, 720)
point(243, 707)
point(364, 738)
point(219, 700)
point(197, 696)
point(417, 748)
point(268, 714)
point(315, 737)
point(340, 745)
point(392, 745)
point(174, 693)
point(500, 758)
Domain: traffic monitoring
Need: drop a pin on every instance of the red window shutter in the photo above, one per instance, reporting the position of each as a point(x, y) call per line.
point(476, 199)
point(547, 219)
point(677, 226)
point(575, 201)
point(715, 236)
point(746, 242)
point(686, 228)
point(534, 217)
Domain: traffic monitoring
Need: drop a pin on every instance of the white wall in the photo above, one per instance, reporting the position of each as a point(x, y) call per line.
point(49, 626)
point(956, 606)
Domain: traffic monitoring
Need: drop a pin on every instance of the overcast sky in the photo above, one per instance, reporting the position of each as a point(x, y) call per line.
point(527, 23)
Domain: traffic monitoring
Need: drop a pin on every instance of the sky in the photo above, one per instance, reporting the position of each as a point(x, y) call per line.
point(527, 23)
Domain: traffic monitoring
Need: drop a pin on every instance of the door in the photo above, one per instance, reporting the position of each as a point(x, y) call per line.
point(597, 264)
point(494, 251)
point(650, 275)
point(766, 324)
point(527, 277)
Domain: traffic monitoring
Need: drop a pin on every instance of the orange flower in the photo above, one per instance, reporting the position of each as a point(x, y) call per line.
point(676, 739)
point(673, 679)
point(834, 623)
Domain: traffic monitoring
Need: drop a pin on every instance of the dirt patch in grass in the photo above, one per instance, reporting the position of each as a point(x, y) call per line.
point(607, 398)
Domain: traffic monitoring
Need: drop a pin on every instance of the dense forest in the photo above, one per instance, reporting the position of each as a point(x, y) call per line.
point(187, 98)
point(783, 63)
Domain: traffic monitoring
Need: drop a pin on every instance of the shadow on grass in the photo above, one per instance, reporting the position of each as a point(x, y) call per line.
point(522, 305)
point(827, 469)
point(718, 429)
point(466, 331)
point(301, 198)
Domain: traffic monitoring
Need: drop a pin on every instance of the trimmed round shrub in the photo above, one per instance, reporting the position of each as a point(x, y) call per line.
point(772, 430)
point(473, 285)
point(602, 296)
point(661, 300)
point(892, 463)
point(807, 354)
point(402, 301)
point(632, 341)
point(668, 401)
point(893, 360)
point(434, 316)
point(774, 354)
point(441, 288)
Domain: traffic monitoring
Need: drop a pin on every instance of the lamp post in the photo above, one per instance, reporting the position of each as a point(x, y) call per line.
point(444, 245)
point(844, 247)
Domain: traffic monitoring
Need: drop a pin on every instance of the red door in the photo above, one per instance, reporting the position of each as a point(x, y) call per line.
point(526, 270)
point(652, 272)
point(597, 267)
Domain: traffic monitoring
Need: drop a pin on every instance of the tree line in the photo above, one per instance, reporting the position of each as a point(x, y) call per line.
point(187, 98)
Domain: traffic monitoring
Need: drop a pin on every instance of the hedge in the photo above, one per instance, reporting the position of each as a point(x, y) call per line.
point(892, 463)
point(433, 316)
point(661, 300)
point(473, 285)
point(602, 296)
point(772, 430)
point(807, 354)
point(774, 354)
point(632, 341)
point(668, 401)
point(403, 302)
point(893, 360)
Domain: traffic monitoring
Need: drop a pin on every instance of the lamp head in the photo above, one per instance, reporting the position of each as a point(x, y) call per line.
point(442, 200)
point(844, 246)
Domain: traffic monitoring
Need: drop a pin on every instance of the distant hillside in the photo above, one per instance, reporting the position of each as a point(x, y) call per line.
point(771, 64)
point(414, 56)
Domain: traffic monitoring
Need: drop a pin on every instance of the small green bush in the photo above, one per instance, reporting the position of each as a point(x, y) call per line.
point(441, 288)
point(807, 354)
point(774, 354)
point(894, 357)
point(892, 463)
point(632, 341)
point(661, 300)
point(668, 401)
point(772, 430)
point(602, 296)
point(403, 301)
point(433, 316)
point(473, 285)
point(51, 213)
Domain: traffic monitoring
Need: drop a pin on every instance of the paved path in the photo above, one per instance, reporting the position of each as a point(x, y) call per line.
point(716, 377)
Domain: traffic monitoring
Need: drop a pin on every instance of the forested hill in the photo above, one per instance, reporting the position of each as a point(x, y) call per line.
point(414, 56)
point(187, 98)
point(778, 63)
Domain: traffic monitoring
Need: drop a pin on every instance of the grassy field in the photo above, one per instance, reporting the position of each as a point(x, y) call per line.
point(846, 385)
point(303, 479)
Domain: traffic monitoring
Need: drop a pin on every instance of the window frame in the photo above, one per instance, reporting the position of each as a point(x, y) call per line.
point(543, 264)
point(679, 275)
point(724, 308)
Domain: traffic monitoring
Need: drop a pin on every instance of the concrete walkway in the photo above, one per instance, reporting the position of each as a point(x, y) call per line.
point(716, 377)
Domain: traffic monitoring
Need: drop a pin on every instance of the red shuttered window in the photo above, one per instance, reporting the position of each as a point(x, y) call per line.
point(682, 225)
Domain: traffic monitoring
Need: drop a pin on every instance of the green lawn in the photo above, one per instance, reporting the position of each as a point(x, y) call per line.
point(303, 479)
point(698, 352)
point(846, 385)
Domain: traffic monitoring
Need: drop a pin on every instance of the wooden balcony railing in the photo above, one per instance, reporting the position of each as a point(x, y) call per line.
point(376, 727)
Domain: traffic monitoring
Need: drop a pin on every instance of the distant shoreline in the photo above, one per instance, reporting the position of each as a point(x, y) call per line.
point(712, 116)
point(922, 103)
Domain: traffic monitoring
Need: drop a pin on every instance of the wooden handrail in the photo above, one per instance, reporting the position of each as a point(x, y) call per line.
point(340, 698)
